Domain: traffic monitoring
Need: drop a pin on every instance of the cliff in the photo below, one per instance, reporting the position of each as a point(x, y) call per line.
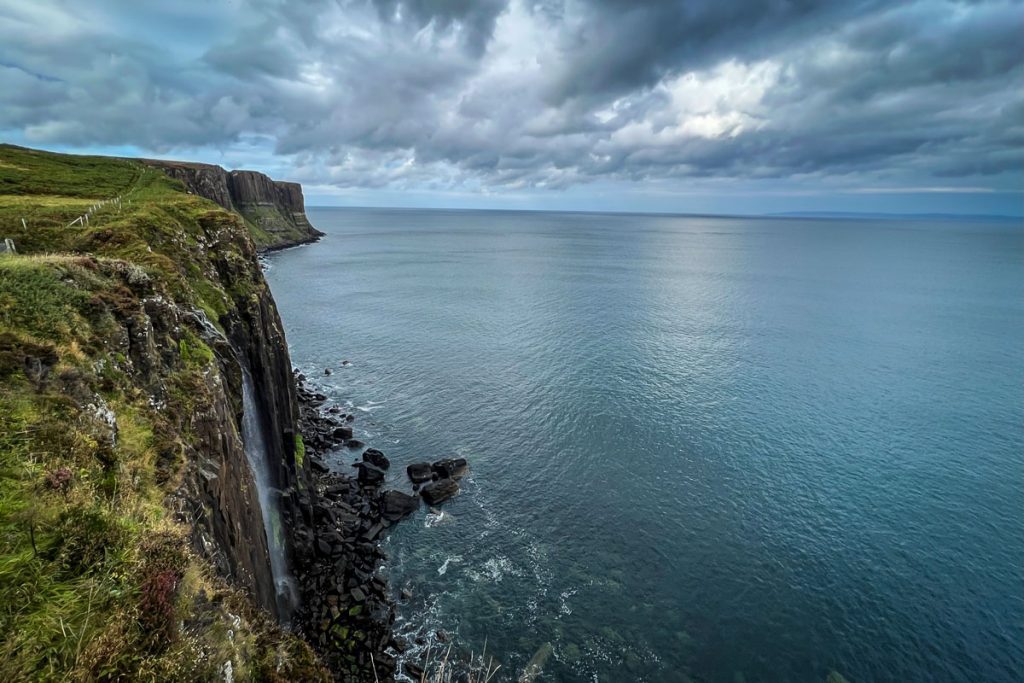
point(133, 542)
point(274, 211)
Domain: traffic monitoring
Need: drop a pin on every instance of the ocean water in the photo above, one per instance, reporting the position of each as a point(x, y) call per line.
point(708, 449)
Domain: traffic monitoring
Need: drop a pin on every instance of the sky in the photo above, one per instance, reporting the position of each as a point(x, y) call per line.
point(702, 106)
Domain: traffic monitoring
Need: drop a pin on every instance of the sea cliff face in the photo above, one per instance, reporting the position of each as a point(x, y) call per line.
point(274, 211)
point(129, 514)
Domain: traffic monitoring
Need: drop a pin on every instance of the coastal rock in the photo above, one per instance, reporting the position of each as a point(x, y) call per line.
point(439, 491)
point(354, 444)
point(396, 505)
point(370, 474)
point(450, 468)
point(342, 433)
point(375, 457)
point(419, 472)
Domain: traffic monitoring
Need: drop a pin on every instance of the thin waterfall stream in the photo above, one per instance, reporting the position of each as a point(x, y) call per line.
point(255, 443)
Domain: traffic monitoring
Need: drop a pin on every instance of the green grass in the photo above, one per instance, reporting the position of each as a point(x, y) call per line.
point(97, 581)
point(300, 451)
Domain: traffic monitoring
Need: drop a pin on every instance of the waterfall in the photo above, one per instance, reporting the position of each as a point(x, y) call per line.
point(255, 443)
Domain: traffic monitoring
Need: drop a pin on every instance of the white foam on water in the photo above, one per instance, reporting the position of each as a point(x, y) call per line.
point(563, 597)
point(440, 518)
point(443, 569)
point(494, 570)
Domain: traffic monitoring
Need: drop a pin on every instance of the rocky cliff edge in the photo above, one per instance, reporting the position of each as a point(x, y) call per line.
point(274, 210)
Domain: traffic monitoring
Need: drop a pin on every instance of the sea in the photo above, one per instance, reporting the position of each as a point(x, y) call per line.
point(701, 448)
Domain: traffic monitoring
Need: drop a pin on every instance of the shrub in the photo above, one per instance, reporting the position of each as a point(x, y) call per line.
point(59, 479)
point(83, 537)
point(156, 605)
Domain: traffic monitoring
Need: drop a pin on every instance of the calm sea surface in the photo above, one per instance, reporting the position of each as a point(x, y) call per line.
point(706, 449)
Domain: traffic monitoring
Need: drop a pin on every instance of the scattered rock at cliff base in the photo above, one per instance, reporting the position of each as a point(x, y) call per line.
point(439, 491)
point(395, 505)
point(413, 670)
point(370, 474)
point(419, 472)
point(450, 468)
point(376, 457)
point(354, 444)
point(342, 433)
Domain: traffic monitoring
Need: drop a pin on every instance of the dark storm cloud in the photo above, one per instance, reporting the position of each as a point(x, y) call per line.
point(622, 44)
point(511, 93)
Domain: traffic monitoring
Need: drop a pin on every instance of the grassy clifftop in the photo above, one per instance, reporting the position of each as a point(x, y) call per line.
point(156, 225)
point(103, 389)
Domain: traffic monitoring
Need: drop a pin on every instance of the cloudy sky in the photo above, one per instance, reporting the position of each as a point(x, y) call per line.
point(647, 105)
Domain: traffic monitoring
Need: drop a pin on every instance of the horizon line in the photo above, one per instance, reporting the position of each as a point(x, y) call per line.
point(835, 215)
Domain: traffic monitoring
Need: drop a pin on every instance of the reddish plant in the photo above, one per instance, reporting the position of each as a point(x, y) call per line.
point(157, 602)
point(59, 479)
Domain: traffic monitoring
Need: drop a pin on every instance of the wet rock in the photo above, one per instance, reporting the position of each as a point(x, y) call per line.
point(439, 491)
point(370, 474)
point(419, 472)
point(327, 371)
point(395, 505)
point(450, 468)
point(354, 444)
point(375, 457)
point(342, 433)
point(413, 670)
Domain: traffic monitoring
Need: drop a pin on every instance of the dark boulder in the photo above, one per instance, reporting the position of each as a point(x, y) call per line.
point(354, 443)
point(450, 468)
point(370, 474)
point(374, 531)
point(375, 457)
point(395, 505)
point(439, 491)
point(342, 433)
point(419, 472)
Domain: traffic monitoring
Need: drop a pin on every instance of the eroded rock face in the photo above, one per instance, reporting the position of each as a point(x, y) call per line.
point(276, 209)
point(201, 408)
point(205, 180)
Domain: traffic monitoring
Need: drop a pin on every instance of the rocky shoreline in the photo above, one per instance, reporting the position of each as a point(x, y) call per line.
point(347, 612)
